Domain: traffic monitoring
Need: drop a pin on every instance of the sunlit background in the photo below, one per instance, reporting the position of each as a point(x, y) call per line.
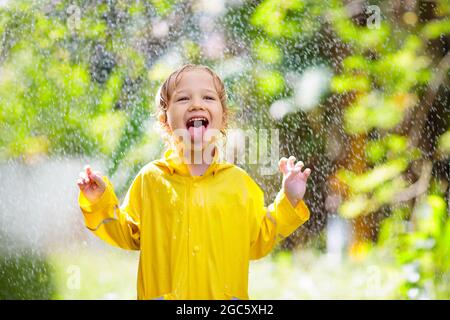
point(358, 90)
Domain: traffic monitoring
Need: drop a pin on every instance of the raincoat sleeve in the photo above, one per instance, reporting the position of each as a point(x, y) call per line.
point(116, 225)
point(270, 225)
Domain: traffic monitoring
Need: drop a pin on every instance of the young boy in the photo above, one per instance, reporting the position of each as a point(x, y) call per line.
point(196, 223)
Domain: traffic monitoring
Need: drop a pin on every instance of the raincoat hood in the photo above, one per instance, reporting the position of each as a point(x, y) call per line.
point(172, 162)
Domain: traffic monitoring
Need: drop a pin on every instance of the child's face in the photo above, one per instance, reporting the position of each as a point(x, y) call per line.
point(195, 108)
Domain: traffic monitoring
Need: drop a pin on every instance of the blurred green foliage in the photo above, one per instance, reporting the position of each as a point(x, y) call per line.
point(25, 276)
point(71, 84)
point(420, 242)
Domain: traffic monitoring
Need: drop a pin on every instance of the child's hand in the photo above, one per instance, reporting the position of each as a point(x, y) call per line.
point(91, 184)
point(294, 180)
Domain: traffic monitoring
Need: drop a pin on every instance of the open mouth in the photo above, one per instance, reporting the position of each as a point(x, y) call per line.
point(197, 126)
point(197, 122)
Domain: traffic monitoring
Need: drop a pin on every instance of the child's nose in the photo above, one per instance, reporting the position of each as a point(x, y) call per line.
point(197, 107)
point(197, 104)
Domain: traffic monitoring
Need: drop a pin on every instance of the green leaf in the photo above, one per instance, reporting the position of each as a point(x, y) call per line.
point(444, 143)
point(430, 215)
point(269, 83)
point(267, 52)
point(347, 83)
point(271, 16)
point(378, 175)
point(396, 143)
point(385, 192)
point(387, 116)
point(354, 207)
point(373, 178)
point(355, 62)
point(435, 29)
point(111, 92)
point(375, 151)
point(355, 119)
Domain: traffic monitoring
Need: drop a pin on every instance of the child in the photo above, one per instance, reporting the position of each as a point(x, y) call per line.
point(196, 224)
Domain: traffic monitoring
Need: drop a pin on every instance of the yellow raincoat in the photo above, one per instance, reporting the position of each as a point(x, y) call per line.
point(196, 234)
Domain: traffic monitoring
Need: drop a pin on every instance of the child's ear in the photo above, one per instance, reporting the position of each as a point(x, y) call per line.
point(162, 117)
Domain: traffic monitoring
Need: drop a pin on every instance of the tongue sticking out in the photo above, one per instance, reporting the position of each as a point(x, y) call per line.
point(197, 131)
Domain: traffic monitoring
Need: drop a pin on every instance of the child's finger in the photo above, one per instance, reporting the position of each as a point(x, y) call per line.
point(84, 178)
point(90, 173)
point(306, 173)
point(299, 164)
point(81, 184)
point(97, 178)
point(88, 170)
point(290, 163)
point(282, 165)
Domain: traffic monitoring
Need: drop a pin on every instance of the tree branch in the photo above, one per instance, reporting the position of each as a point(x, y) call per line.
point(417, 188)
point(419, 118)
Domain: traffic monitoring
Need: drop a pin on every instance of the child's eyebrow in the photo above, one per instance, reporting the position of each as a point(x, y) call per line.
point(204, 89)
point(209, 90)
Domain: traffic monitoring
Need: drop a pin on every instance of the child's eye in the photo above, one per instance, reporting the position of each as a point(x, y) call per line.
point(182, 98)
point(210, 98)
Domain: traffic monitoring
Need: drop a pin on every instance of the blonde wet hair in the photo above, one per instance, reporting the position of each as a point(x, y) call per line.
point(166, 90)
